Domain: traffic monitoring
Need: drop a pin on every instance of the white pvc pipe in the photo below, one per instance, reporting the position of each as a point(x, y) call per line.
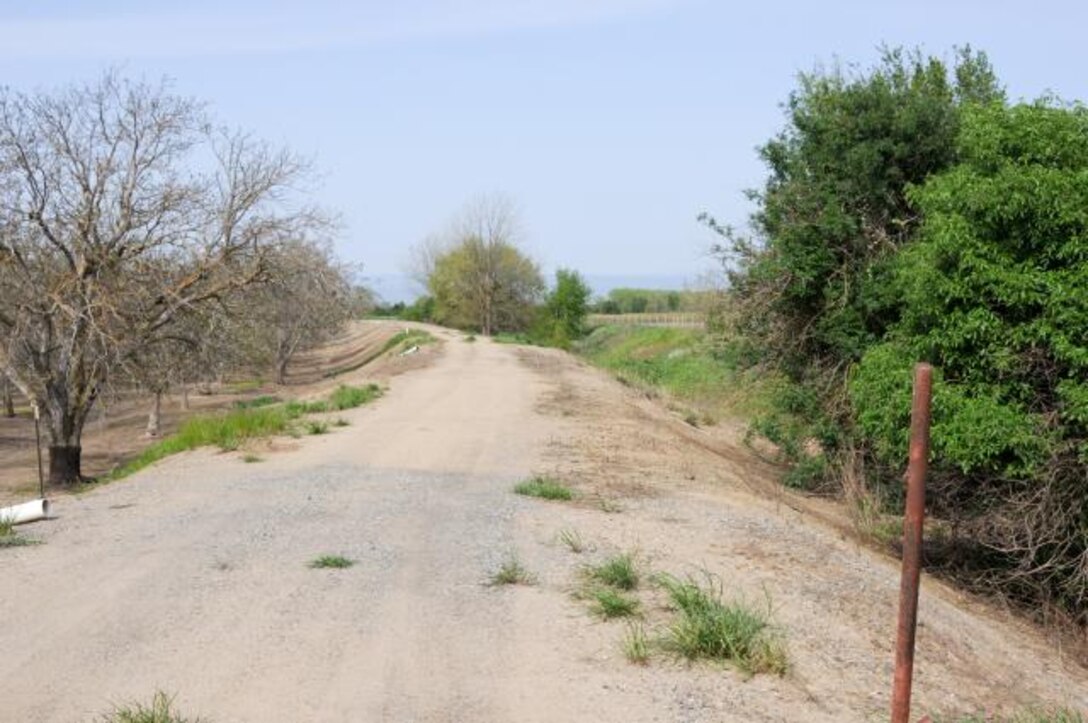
point(26, 512)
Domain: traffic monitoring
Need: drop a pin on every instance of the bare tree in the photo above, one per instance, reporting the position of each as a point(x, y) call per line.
point(307, 301)
point(122, 210)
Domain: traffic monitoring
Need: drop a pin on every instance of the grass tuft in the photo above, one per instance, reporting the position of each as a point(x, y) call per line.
point(609, 603)
point(334, 562)
point(544, 488)
point(512, 572)
point(161, 710)
point(636, 645)
point(250, 458)
point(619, 572)
point(264, 400)
point(573, 540)
point(9, 537)
point(341, 422)
point(345, 397)
point(709, 628)
point(408, 338)
point(470, 338)
point(316, 427)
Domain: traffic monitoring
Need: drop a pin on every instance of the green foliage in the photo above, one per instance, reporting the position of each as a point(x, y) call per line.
point(407, 339)
point(691, 366)
point(565, 309)
point(261, 401)
point(161, 710)
point(640, 301)
point(331, 562)
point(348, 397)
point(485, 285)
point(708, 627)
point(835, 207)
point(544, 488)
point(512, 572)
point(636, 644)
point(619, 572)
point(609, 604)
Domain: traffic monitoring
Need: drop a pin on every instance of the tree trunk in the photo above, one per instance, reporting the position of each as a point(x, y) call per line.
point(154, 416)
point(64, 465)
point(281, 371)
point(9, 400)
point(185, 397)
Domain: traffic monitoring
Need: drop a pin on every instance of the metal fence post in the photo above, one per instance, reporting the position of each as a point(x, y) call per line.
point(912, 542)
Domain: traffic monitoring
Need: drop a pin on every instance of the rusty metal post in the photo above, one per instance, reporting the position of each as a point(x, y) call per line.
point(912, 542)
point(38, 446)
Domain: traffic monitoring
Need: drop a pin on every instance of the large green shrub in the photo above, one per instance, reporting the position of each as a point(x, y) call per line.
point(995, 294)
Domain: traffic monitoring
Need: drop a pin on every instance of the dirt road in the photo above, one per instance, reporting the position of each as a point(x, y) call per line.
point(192, 577)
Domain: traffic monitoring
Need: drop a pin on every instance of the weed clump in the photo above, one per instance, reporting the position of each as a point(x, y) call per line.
point(619, 572)
point(636, 645)
point(709, 628)
point(544, 488)
point(610, 603)
point(161, 710)
point(512, 572)
point(335, 562)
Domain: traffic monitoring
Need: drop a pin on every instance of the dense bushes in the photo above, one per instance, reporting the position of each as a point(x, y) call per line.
point(912, 214)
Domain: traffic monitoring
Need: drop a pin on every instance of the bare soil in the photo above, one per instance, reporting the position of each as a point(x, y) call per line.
point(191, 577)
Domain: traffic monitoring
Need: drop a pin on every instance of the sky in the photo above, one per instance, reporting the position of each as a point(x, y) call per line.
point(611, 123)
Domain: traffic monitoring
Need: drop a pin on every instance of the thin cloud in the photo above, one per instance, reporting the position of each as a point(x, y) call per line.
point(260, 29)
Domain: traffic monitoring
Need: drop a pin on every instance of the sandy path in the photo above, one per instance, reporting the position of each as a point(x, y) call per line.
point(191, 577)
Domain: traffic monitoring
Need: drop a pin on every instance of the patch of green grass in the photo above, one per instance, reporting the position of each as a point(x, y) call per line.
point(316, 427)
point(619, 572)
point(341, 422)
point(296, 409)
point(245, 385)
point(335, 562)
point(544, 488)
point(250, 458)
point(636, 645)
point(707, 627)
point(690, 365)
point(226, 431)
point(264, 400)
point(470, 338)
point(573, 540)
point(1031, 715)
point(512, 572)
point(408, 338)
point(346, 397)
point(610, 603)
point(507, 337)
point(161, 710)
point(10, 538)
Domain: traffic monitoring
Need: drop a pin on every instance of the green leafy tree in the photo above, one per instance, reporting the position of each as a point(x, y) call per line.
point(490, 286)
point(835, 206)
point(995, 294)
point(566, 306)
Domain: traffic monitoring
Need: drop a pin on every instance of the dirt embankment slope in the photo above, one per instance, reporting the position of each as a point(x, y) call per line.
point(191, 577)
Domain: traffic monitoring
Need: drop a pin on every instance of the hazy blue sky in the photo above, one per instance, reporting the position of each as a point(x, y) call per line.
point(613, 123)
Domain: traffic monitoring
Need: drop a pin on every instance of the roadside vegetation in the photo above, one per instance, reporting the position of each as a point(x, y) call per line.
point(232, 430)
point(512, 572)
point(10, 537)
point(733, 631)
point(545, 488)
point(333, 562)
point(160, 710)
